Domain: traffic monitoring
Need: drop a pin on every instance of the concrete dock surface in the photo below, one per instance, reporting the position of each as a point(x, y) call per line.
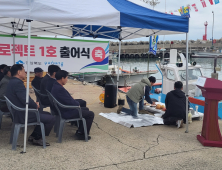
point(112, 146)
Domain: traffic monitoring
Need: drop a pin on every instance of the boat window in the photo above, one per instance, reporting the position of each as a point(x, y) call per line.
point(193, 74)
point(170, 75)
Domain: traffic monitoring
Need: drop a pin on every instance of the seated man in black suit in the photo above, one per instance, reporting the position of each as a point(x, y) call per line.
point(63, 96)
point(48, 80)
point(1, 71)
point(36, 82)
point(3, 87)
point(16, 93)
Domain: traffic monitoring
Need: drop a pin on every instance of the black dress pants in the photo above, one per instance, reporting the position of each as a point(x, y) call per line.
point(48, 120)
point(86, 114)
point(82, 103)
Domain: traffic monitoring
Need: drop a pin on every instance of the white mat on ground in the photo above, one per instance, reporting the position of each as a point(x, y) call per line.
point(129, 121)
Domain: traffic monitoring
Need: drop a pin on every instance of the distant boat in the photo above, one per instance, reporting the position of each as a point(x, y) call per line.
point(206, 55)
point(126, 78)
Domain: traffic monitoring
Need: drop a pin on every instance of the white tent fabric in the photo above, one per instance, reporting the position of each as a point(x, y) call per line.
point(58, 17)
point(52, 17)
point(61, 29)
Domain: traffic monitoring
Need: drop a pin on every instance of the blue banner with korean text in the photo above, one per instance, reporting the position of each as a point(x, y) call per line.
point(153, 44)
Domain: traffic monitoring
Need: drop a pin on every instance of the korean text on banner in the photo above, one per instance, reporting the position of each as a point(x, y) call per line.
point(153, 44)
point(69, 54)
point(216, 2)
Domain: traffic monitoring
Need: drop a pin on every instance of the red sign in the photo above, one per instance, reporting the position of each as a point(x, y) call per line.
point(98, 54)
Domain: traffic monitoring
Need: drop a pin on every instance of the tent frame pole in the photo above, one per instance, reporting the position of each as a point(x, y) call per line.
point(120, 38)
point(27, 85)
point(118, 65)
point(187, 85)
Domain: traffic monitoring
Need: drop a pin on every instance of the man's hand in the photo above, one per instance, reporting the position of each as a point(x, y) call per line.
point(37, 105)
point(154, 103)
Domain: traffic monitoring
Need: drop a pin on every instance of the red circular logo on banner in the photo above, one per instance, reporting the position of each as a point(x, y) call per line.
point(98, 54)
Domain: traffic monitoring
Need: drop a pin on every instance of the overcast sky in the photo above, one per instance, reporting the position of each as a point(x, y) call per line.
point(197, 19)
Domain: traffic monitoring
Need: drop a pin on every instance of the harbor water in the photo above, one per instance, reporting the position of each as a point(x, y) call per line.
point(142, 64)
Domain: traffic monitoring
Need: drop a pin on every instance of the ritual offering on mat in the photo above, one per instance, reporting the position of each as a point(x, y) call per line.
point(164, 109)
point(158, 106)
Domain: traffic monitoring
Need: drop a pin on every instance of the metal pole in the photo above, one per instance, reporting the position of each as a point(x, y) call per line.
point(117, 83)
point(187, 84)
point(14, 48)
point(27, 85)
point(148, 62)
point(213, 30)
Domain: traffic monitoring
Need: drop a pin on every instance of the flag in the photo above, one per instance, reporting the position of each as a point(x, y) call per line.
point(211, 2)
point(153, 44)
point(184, 11)
point(195, 7)
point(216, 2)
point(203, 3)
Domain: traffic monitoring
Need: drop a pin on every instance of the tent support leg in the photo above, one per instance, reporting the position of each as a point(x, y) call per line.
point(13, 48)
point(187, 130)
point(27, 85)
point(118, 65)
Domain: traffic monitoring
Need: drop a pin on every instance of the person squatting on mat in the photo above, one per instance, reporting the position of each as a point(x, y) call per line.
point(136, 95)
point(175, 106)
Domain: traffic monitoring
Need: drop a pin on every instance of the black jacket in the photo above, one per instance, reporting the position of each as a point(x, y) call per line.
point(43, 85)
point(1, 75)
point(175, 105)
point(16, 93)
point(3, 86)
point(50, 83)
point(36, 82)
point(63, 96)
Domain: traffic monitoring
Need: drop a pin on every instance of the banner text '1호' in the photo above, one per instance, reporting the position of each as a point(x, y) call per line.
point(69, 54)
point(153, 44)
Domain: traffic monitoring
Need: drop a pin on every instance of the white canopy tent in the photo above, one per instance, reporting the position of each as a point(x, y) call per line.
point(111, 19)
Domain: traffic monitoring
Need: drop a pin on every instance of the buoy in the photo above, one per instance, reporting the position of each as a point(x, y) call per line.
point(101, 97)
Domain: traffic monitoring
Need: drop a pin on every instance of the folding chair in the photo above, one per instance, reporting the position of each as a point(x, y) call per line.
point(38, 98)
point(61, 121)
point(16, 126)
